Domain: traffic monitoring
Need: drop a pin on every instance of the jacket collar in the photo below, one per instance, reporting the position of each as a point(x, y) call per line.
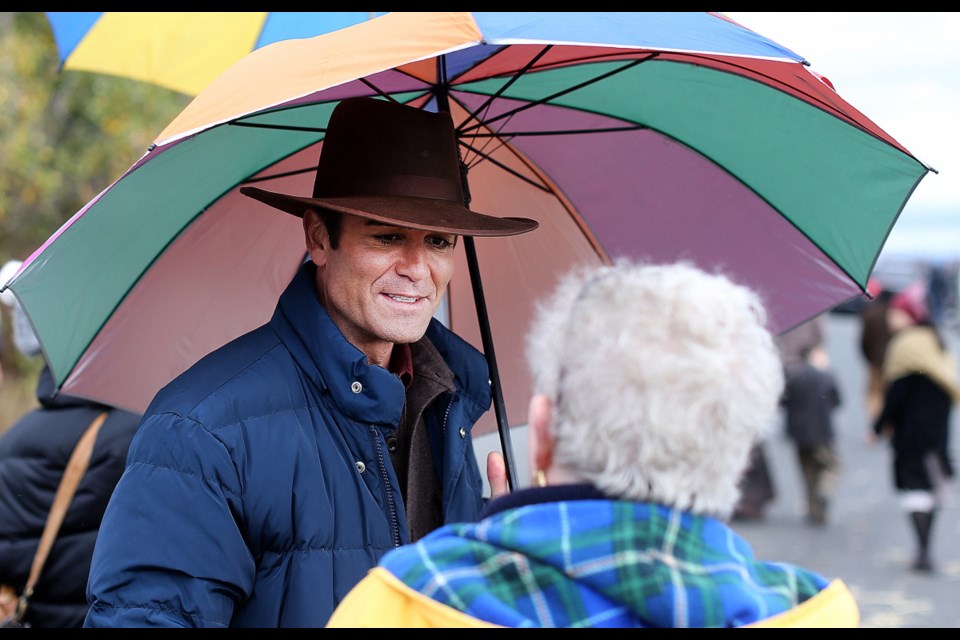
point(362, 392)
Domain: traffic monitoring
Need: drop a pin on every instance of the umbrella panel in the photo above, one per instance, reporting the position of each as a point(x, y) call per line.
point(182, 51)
point(220, 278)
point(652, 217)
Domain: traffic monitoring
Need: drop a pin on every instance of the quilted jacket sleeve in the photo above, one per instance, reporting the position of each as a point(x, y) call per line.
point(157, 563)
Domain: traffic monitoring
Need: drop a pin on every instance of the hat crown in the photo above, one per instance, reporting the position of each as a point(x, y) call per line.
point(378, 148)
point(396, 164)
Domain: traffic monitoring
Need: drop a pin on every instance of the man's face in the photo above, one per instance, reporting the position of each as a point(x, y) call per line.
point(383, 283)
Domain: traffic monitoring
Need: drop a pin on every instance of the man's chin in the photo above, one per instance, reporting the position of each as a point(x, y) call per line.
point(408, 334)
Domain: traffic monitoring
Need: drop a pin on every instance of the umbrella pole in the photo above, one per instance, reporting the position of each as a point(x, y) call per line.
point(503, 425)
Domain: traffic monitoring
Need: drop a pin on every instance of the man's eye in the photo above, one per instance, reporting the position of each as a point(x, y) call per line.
point(440, 242)
point(386, 238)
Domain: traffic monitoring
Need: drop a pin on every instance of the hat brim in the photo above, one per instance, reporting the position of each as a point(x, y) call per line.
point(425, 214)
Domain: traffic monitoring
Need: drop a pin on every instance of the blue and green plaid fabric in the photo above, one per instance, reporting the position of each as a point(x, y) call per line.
point(600, 563)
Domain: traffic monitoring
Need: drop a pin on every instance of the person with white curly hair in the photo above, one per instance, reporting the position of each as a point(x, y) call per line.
point(651, 384)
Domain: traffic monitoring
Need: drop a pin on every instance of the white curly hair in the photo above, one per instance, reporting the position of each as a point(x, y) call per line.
point(661, 378)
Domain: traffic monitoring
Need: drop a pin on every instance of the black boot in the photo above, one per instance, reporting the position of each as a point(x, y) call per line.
point(922, 524)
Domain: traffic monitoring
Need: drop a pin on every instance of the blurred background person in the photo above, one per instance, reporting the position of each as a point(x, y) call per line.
point(810, 396)
point(639, 428)
point(937, 294)
point(3, 346)
point(20, 332)
point(807, 412)
point(19, 371)
point(921, 387)
point(34, 453)
point(796, 344)
point(874, 336)
point(758, 486)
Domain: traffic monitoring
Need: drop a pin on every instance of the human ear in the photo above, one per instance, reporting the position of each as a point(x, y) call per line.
point(316, 237)
point(540, 432)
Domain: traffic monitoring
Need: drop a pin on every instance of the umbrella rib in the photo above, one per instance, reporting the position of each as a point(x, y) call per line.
point(509, 114)
point(513, 172)
point(473, 115)
point(521, 134)
point(284, 174)
point(380, 91)
point(533, 103)
point(283, 127)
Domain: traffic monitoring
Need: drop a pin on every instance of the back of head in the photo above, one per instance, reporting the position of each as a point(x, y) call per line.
point(661, 377)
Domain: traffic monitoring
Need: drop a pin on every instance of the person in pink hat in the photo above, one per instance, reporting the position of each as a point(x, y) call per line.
point(920, 375)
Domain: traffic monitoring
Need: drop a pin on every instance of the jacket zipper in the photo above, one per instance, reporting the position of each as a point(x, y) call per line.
point(388, 490)
point(443, 426)
point(443, 451)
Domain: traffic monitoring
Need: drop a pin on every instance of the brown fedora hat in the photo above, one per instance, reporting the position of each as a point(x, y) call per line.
point(396, 164)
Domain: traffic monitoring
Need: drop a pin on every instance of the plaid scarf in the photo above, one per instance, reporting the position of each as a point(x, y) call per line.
point(599, 563)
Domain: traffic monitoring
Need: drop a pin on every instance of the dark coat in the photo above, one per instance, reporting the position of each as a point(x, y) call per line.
point(918, 410)
point(810, 395)
point(259, 488)
point(33, 455)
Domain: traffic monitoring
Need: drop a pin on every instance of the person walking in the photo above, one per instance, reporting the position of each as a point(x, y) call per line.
point(922, 387)
point(810, 396)
point(757, 486)
point(938, 290)
point(874, 337)
point(639, 428)
point(34, 455)
point(271, 475)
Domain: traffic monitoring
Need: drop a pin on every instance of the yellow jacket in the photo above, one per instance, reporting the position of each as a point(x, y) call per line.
point(380, 600)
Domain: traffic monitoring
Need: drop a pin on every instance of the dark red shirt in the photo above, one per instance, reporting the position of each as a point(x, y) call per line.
point(401, 363)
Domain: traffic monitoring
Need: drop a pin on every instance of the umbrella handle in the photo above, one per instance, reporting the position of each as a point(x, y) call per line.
point(503, 425)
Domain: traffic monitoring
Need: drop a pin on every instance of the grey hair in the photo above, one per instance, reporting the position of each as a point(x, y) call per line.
point(661, 376)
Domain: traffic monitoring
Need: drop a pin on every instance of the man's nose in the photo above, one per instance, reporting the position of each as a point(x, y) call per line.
point(413, 262)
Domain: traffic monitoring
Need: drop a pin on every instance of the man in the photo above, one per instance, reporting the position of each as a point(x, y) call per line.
point(267, 479)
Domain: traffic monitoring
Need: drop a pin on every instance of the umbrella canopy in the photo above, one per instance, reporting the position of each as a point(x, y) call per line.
point(659, 136)
point(179, 50)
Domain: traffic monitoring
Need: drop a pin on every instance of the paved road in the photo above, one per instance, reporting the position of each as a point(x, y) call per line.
point(867, 542)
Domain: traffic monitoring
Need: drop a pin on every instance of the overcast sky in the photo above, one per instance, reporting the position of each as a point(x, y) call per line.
point(902, 70)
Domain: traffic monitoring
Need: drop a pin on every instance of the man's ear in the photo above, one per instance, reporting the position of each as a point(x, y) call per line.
point(540, 432)
point(315, 236)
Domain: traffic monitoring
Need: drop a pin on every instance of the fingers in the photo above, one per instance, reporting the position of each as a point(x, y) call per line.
point(497, 474)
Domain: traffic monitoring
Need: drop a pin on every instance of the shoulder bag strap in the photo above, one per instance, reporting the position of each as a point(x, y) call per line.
point(76, 467)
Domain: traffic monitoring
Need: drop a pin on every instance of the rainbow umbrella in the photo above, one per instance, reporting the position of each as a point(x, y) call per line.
point(659, 136)
point(179, 50)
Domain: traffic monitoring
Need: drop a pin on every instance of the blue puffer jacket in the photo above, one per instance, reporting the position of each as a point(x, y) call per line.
point(258, 489)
